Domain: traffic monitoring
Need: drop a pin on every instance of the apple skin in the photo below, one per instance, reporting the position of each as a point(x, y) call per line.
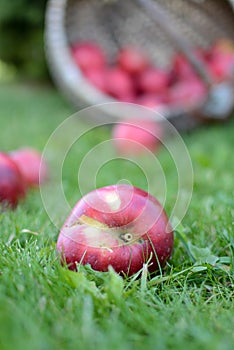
point(131, 135)
point(88, 55)
point(97, 77)
point(12, 185)
point(221, 65)
point(220, 60)
point(132, 60)
point(153, 80)
point(187, 92)
point(120, 226)
point(31, 165)
point(119, 84)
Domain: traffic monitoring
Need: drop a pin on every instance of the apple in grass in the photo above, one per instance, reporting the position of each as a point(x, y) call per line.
point(33, 168)
point(120, 226)
point(136, 136)
point(12, 184)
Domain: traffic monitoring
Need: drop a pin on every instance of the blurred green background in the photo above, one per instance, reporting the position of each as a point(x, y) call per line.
point(21, 41)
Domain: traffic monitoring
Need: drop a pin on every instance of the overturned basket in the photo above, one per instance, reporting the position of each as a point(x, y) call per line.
point(114, 24)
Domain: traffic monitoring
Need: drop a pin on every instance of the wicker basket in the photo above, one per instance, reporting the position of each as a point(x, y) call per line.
point(114, 24)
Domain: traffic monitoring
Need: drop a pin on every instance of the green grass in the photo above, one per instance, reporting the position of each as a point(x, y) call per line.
point(45, 306)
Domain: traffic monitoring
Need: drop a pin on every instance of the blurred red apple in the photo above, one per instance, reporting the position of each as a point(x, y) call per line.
point(31, 165)
point(221, 62)
point(120, 226)
point(153, 80)
point(131, 137)
point(88, 55)
point(97, 77)
point(188, 92)
point(132, 60)
point(12, 185)
point(222, 67)
point(119, 84)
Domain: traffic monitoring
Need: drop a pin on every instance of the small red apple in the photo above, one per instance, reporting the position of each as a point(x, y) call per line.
point(131, 137)
point(31, 165)
point(221, 60)
point(153, 80)
point(221, 66)
point(188, 92)
point(119, 84)
point(88, 55)
point(12, 185)
point(120, 226)
point(132, 60)
point(97, 77)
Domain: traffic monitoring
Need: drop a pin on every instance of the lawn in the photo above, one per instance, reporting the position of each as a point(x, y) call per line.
point(45, 306)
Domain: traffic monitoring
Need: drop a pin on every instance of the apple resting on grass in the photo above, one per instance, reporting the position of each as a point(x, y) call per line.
point(12, 185)
point(31, 165)
point(119, 225)
point(134, 136)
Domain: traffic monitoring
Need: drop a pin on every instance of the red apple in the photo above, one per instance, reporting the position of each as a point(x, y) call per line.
point(221, 66)
point(153, 80)
point(31, 165)
point(119, 84)
point(97, 77)
point(12, 185)
point(132, 60)
point(88, 55)
point(120, 226)
point(221, 60)
point(133, 136)
point(187, 93)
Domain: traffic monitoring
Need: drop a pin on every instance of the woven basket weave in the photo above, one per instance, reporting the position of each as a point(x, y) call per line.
point(114, 24)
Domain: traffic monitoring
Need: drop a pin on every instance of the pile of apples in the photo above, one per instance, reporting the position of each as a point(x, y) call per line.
point(20, 170)
point(132, 77)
